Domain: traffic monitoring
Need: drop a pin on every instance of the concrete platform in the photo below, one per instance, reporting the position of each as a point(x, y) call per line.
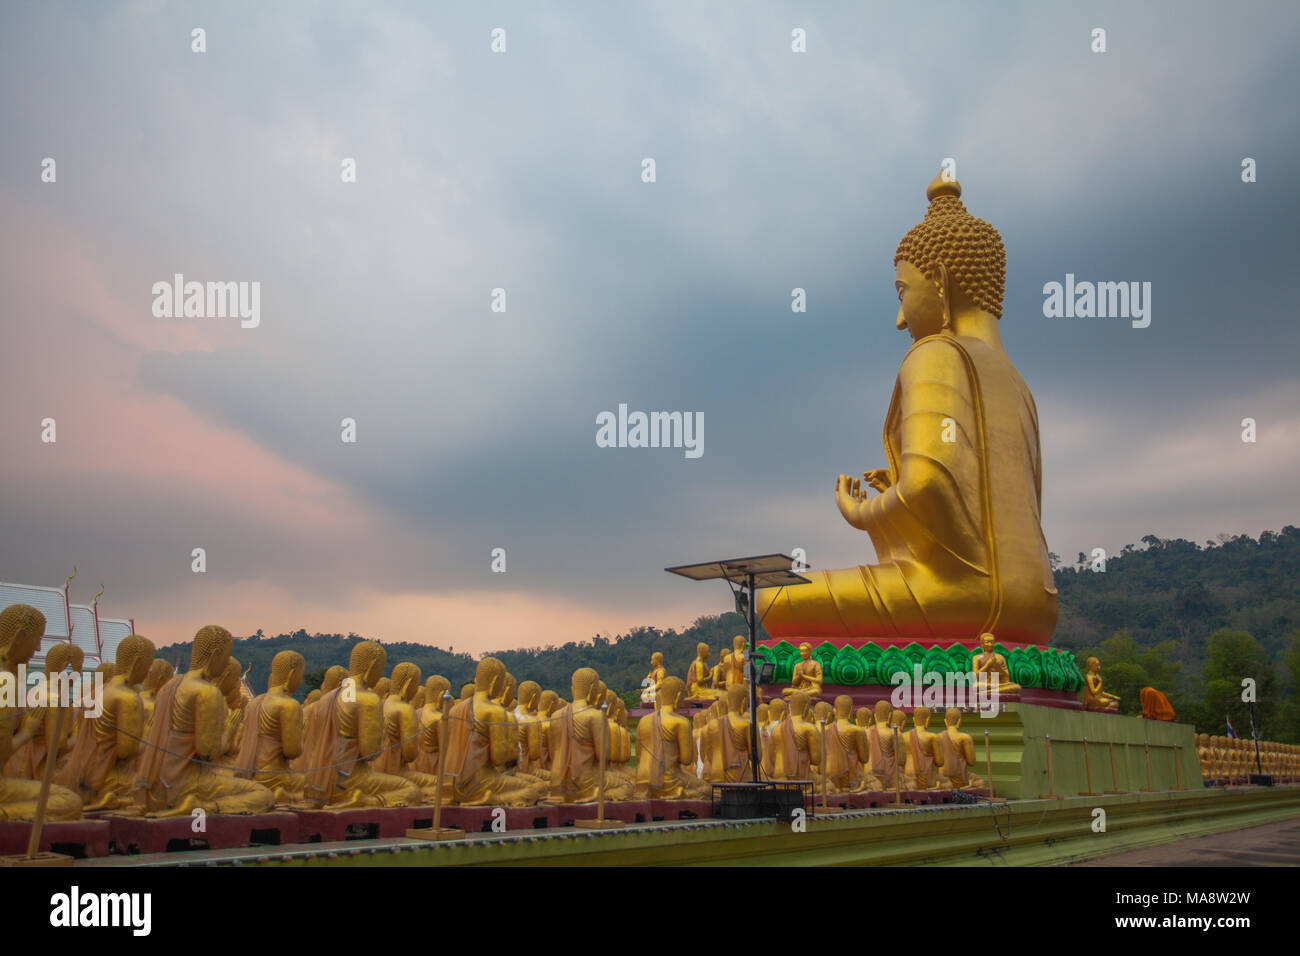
point(220, 832)
point(77, 838)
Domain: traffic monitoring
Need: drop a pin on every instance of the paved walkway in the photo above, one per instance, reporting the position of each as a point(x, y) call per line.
point(1277, 844)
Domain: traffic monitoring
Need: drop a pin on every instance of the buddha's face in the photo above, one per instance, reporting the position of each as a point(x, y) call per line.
point(986, 642)
point(805, 652)
point(920, 308)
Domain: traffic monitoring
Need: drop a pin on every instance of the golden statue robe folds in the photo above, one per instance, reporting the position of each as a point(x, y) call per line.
point(958, 532)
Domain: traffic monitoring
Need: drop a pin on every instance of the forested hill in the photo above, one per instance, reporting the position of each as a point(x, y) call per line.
point(1155, 614)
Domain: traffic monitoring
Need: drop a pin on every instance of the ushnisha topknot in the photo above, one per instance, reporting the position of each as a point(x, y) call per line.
point(969, 248)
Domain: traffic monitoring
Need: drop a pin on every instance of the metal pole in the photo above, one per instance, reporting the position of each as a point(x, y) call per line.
point(1255, 734)
point(754, 749)
point(42, 801)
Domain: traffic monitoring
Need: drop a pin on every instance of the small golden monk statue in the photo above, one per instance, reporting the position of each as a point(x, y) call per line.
point(665, 750)
point(29, 759)
point(384, 687)
point(177, 767)
point(21, 629)
point(479, 747)
point(532, 742)
point(160, 672)
point(272, 733)
point(402, 734)
point(955, 523)
point(349, 733)
point(101, 768)
point(992, 675)
point(312, 714)
point(699, 676)
point(467, 691)
point(775, 714)
point(727, 737)
point(924, 753)
point(847, 752)
point(1094, 698)
point(796, 742)
point(653, 679)
point(619, 773)
point(578, 734)
point(956, 753)
point(807, 675)
point(437, 697)
point(882, 742)
point(1205, 756)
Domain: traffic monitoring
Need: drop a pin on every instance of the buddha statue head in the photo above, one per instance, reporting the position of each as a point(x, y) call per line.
point(884, 711)
point(738, 644)
point(21, 629)
point(366, 663)
point(134, 658)
point(737, 699)
point(286, 671)
point(582, 684)
point(228, 683)
point(844, 707)
point(489, 677)
point(611, 703)
point(312, 697)
point(899, 719)
point(949, 264)
point(384, 686)
point(702, 651)
point(822, 712)
point(764, 715)
point(986, 642)
point(547, 702)
point(406, 681)
point(160, 672)
point(598, 692)
point(1094, 665)
point(418, 700)
point(108, 669)
point(435, 688)
point(1202, 740)
point(670, 692)
point(657, 659)
point(805, 651)
point(798, 705)
point(862, 717)
point(334, 675)
point(467, 691)
point(507, 698)
point(921, 718)
point(776, 710)
point(78, 658)
point(529, 691)
point(56, 661)
point(952, 719)
point(211, 651)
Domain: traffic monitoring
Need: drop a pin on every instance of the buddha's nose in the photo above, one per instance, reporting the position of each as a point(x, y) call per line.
point(902, 322)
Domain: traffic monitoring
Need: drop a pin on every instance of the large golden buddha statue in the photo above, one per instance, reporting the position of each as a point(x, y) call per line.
point(21, 629)
point(177, 766)
point(956, 521)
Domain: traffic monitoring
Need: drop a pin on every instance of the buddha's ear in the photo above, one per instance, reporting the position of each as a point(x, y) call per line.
point(945, 295)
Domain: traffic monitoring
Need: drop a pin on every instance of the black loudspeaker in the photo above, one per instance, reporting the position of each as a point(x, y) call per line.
point(1261, 780)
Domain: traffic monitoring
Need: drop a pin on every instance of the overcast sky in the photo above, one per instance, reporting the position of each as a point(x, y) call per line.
point(522, 170)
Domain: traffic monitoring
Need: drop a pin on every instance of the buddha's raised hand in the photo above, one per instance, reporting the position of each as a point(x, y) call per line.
point(877, 478)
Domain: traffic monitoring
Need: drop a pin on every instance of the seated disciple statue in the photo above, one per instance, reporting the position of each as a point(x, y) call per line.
point(796, 742)
point(21, 629)
point(102, 766)
point(348, 733)
point(956, 520)
point(734, 661)
point(272, 733)
point(578, 731)
point(847, 752)
point(479, 748)
point(653, 679)
point(28, 760)
point(620, 747)
point(728, 739)
point(882, 742)
point(532, 749)
point(312, 714)
point(699, 676)
point(1094, 698)
point(232, 691)
point(402, 733)
point(177, 766)
point(775, 714)
point(665, 750)
point(807, 675)
point(992, 674)
point(956, 753)
point(1155, 705)
point(923, 753)
point(437, 699)
point(160, 672)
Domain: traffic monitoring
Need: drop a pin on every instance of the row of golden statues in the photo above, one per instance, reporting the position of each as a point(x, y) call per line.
point(168, 744)
point(1230, 760)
